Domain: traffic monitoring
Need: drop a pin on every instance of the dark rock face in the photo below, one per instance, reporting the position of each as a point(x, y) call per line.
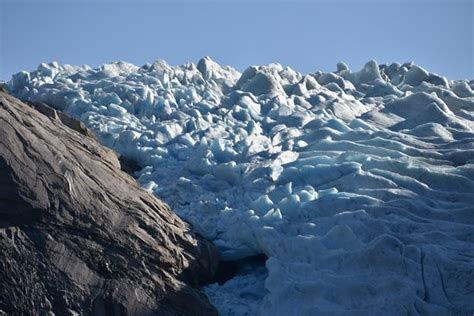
point(78, 236)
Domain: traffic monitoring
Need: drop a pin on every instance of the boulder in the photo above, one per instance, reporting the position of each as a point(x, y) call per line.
point(78, 236)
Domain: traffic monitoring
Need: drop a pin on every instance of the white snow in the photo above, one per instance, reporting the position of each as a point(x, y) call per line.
point(357, 185)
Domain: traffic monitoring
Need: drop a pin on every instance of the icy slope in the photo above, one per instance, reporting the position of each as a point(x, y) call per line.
point(358, 186)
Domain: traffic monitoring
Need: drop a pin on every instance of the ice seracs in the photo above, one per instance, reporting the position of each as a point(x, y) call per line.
point(357, 185)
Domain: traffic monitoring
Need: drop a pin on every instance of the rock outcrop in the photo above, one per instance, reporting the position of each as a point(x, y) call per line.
point(78, 236)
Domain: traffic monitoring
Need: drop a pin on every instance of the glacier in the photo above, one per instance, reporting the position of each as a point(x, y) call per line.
point(358, 186)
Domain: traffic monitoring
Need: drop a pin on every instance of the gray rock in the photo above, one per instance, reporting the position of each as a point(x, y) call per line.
point(79, 237)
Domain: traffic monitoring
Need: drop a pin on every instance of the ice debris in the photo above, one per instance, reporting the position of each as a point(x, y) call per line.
point(357, 185)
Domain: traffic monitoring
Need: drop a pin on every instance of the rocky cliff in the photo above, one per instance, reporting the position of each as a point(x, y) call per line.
point(79, 236)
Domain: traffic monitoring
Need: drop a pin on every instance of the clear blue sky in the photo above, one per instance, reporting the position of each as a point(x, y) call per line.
point(305, 35)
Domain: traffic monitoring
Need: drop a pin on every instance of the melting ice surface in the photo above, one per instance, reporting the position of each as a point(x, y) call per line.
point(357, 186)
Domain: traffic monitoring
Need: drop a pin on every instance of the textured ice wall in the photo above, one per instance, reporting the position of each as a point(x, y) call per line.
point(358, 186)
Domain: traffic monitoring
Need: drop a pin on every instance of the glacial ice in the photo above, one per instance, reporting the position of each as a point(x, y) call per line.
point(357, 185)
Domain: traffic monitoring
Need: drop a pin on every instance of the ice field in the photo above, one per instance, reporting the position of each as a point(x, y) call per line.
point(357, 185)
